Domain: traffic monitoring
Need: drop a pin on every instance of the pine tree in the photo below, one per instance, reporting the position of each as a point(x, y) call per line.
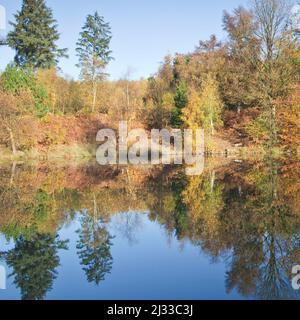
point(34, 36)
point(180, 101)
point(93, 51)
point(34, 262)
point(94, 249)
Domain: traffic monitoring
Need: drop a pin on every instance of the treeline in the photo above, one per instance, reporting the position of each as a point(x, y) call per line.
point(254, 74)
point(256, 68)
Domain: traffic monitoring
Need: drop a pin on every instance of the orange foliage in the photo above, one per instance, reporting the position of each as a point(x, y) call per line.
point(289, 120)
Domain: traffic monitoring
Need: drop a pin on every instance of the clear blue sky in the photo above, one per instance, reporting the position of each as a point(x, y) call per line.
point(144, 31)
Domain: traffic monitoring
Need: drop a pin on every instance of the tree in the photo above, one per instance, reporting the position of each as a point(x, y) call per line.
point(204, 109)
point(272, 18)
point(94, 249)
point(19, 96)
point(159, 98)
point(211, 104)
point(180, 100)
point(277, 70)
point(34, 262)
point(18, 81)
point(93, 51)
point(209, 46)
point(238, 77)
point(192, 115)
point(34, 36)
point(9, 113)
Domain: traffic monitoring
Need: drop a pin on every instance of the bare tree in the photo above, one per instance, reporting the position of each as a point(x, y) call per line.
point(275, 32)
point(273, 18)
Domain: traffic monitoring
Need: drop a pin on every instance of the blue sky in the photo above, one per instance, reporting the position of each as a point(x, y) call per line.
point(144, 31)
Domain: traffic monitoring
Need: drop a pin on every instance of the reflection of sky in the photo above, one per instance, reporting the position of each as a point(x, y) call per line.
point(10, 292)
point(152, 267)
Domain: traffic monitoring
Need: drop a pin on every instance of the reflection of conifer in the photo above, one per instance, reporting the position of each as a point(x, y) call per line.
point(94, 249)
point(33, 263)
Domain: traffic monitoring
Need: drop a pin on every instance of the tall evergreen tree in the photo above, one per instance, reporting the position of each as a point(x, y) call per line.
point(34, 36)
point(34, 262)
point(180, 100)
point(94, 249)
point(93, 51)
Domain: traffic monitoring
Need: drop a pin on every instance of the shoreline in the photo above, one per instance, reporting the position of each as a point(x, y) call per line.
point(87, 153)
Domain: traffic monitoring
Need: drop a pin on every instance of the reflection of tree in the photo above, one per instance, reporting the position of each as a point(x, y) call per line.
point(265, 240)
point(247, 214)
point(204, 198)
point(180, 214)
point(94, 248)
point(275, 281)
point(128, 224)
point(34, 262)
point(246, 217)
point(165, 203)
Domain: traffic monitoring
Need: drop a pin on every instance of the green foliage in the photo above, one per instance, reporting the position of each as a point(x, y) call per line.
point(42, 207)
point(15, 80)
point(258, 130)
point(93, 47)
point(204, 109)
point(180, 100)
point(41, 106)
point(34, 262)
point(181, 214)
point(34, 36)
point(93, 52)
point(94, 249)
point(14, 231)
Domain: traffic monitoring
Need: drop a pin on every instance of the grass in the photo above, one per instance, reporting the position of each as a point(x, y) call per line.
point(74, 152)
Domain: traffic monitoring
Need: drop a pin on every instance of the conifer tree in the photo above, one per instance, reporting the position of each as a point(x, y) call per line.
point(34, 36)
point(180, 101)
point(94, 249)
point(93, 51)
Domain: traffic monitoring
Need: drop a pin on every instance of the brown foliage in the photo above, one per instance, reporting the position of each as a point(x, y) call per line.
point(289, 120)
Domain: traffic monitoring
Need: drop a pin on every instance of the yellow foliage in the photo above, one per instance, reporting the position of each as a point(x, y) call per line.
point(204, 108)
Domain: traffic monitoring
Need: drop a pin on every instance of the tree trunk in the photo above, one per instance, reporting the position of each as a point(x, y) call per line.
point(212, 180)
point(212, 128)
point(127, 100)
point(12, 141)
point(13, 171)
point(94, 96)
point(274, 126)
point(95, 209)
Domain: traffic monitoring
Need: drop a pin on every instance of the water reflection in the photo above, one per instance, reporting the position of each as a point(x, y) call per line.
point(242, 215)
point(34, 262)
point(94, 248)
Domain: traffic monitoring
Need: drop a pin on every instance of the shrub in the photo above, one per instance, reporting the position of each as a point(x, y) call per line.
point(16, 80)
point(258, 130)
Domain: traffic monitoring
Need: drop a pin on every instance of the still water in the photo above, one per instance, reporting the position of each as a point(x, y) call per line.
point(91, 232)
